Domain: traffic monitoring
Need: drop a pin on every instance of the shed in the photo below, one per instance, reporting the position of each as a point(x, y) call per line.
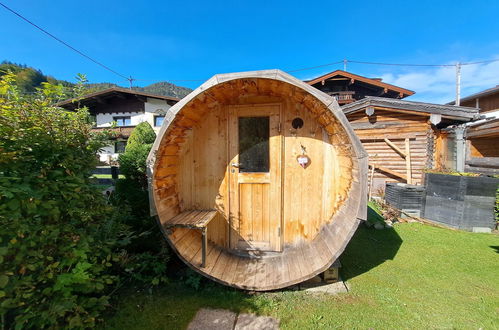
point(482, 140)
point(257, 180)
point(403, 138)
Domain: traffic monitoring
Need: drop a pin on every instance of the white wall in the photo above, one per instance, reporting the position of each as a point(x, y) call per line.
point(152, 107)
point(107, 154)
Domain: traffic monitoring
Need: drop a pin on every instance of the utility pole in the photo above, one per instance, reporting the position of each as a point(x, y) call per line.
point(345, 61)
point(458, 83)
point(130, 80)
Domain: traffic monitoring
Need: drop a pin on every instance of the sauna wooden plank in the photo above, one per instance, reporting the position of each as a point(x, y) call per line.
point(212, 259)
point(220, 266)
point(229, 274)
point(178, 234)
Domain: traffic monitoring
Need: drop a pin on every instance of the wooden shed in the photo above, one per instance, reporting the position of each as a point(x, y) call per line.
point(257, 180)
point(482, 147)
point(402, 138)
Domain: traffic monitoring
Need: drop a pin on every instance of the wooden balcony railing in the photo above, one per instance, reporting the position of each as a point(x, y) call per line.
point(343, 97)
point(122, 132)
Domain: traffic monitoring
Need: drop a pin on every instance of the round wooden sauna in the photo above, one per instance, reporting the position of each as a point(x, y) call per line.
point(257, 180)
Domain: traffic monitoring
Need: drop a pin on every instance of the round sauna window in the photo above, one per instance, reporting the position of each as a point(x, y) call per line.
point(297, 123)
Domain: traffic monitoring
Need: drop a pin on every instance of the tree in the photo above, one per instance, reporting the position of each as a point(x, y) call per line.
point(133, 160)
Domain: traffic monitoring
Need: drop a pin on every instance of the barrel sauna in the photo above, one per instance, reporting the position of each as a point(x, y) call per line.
point(257, 180)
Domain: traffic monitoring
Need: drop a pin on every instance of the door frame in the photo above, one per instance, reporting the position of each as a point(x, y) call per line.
point(233, 225)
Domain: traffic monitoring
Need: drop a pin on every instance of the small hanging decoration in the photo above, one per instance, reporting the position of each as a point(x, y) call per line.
point(303, 159)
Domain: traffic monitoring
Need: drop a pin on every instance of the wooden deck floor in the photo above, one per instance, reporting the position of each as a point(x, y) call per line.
point(292, 266)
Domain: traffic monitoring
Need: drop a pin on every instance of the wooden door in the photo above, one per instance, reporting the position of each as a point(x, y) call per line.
point(255, 177)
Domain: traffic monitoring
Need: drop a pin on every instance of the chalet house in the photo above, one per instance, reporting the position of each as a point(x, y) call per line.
point(482, 137)
point(402, 138)
point(120, 110)
point(347, 87)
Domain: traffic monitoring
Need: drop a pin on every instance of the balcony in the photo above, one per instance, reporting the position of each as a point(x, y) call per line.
point(120, 132)
point(343, 97)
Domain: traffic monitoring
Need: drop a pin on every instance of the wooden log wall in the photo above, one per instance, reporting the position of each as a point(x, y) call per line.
point(484, 147)
point(395, 127)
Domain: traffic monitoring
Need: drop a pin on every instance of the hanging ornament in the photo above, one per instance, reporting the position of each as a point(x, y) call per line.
point(303, 159)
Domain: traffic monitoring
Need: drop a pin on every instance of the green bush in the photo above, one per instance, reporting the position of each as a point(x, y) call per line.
point(147, 252)
point(133, 160)
point(58, 239)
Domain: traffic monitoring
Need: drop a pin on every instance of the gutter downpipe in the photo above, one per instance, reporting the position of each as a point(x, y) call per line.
point(460, 147)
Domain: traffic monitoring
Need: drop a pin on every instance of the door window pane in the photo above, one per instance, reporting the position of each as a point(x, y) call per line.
point(254, 144)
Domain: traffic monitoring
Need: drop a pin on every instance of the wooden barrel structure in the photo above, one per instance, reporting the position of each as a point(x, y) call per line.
point(257, 180)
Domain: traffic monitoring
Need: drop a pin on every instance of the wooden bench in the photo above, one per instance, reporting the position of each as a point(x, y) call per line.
point(194, 219)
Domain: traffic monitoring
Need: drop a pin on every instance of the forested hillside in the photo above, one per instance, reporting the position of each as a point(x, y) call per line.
point(28, 79)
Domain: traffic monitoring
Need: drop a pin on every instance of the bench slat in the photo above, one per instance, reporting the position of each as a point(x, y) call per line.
point(191, 219)
point(179, 218)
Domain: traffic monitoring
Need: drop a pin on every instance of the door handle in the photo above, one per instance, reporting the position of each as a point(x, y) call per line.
point(237, 165)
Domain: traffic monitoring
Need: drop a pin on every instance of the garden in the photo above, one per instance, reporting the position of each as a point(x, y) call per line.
point(72, 258)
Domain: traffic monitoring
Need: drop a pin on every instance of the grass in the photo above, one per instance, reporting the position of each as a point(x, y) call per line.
point(411, 276)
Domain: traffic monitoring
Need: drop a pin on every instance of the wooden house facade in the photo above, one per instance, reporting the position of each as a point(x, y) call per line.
point(486, 101)
point(347, 87)
point(257, 180)
point(482, 147)
point(402, 138)
point(482, 136)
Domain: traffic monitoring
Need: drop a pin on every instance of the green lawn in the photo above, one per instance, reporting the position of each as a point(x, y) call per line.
point(411, 276)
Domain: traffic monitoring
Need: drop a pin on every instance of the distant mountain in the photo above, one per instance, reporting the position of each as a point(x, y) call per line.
point(161, 88)
point(28, 79)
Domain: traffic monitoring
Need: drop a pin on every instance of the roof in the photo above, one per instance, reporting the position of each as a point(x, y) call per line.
point(448, 111)
point(110, 92)
point(485, 128)
point(371, 81)
point(486, 92)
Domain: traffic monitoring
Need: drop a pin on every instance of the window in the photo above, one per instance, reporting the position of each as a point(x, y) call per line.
point(158, 120)
point(254, 144)
point(123, 121)
point(119, 147)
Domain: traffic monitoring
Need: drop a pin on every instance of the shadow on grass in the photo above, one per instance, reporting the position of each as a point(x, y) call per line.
point(495, 247)
point(174, 306)
point(367, 249)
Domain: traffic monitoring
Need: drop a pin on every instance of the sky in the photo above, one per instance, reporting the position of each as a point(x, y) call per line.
point(187, 42)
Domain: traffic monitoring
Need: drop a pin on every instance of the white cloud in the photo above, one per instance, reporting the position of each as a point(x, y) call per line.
point(438, 85)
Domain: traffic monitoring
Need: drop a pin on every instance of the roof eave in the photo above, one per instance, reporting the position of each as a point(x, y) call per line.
point(400, 90)
point(471, 97)
point(114, 90)
point(452, 112)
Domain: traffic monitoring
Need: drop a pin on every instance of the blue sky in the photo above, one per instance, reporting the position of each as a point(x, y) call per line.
point(193, 40)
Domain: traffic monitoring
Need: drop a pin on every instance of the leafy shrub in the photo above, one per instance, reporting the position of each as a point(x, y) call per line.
point(57, 236)
point(147, 253)
point(192, 279)
point(133, 160)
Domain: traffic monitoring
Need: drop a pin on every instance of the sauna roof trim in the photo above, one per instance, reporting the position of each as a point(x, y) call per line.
point(376, 82)
point(100, 96)
point(448, 111)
